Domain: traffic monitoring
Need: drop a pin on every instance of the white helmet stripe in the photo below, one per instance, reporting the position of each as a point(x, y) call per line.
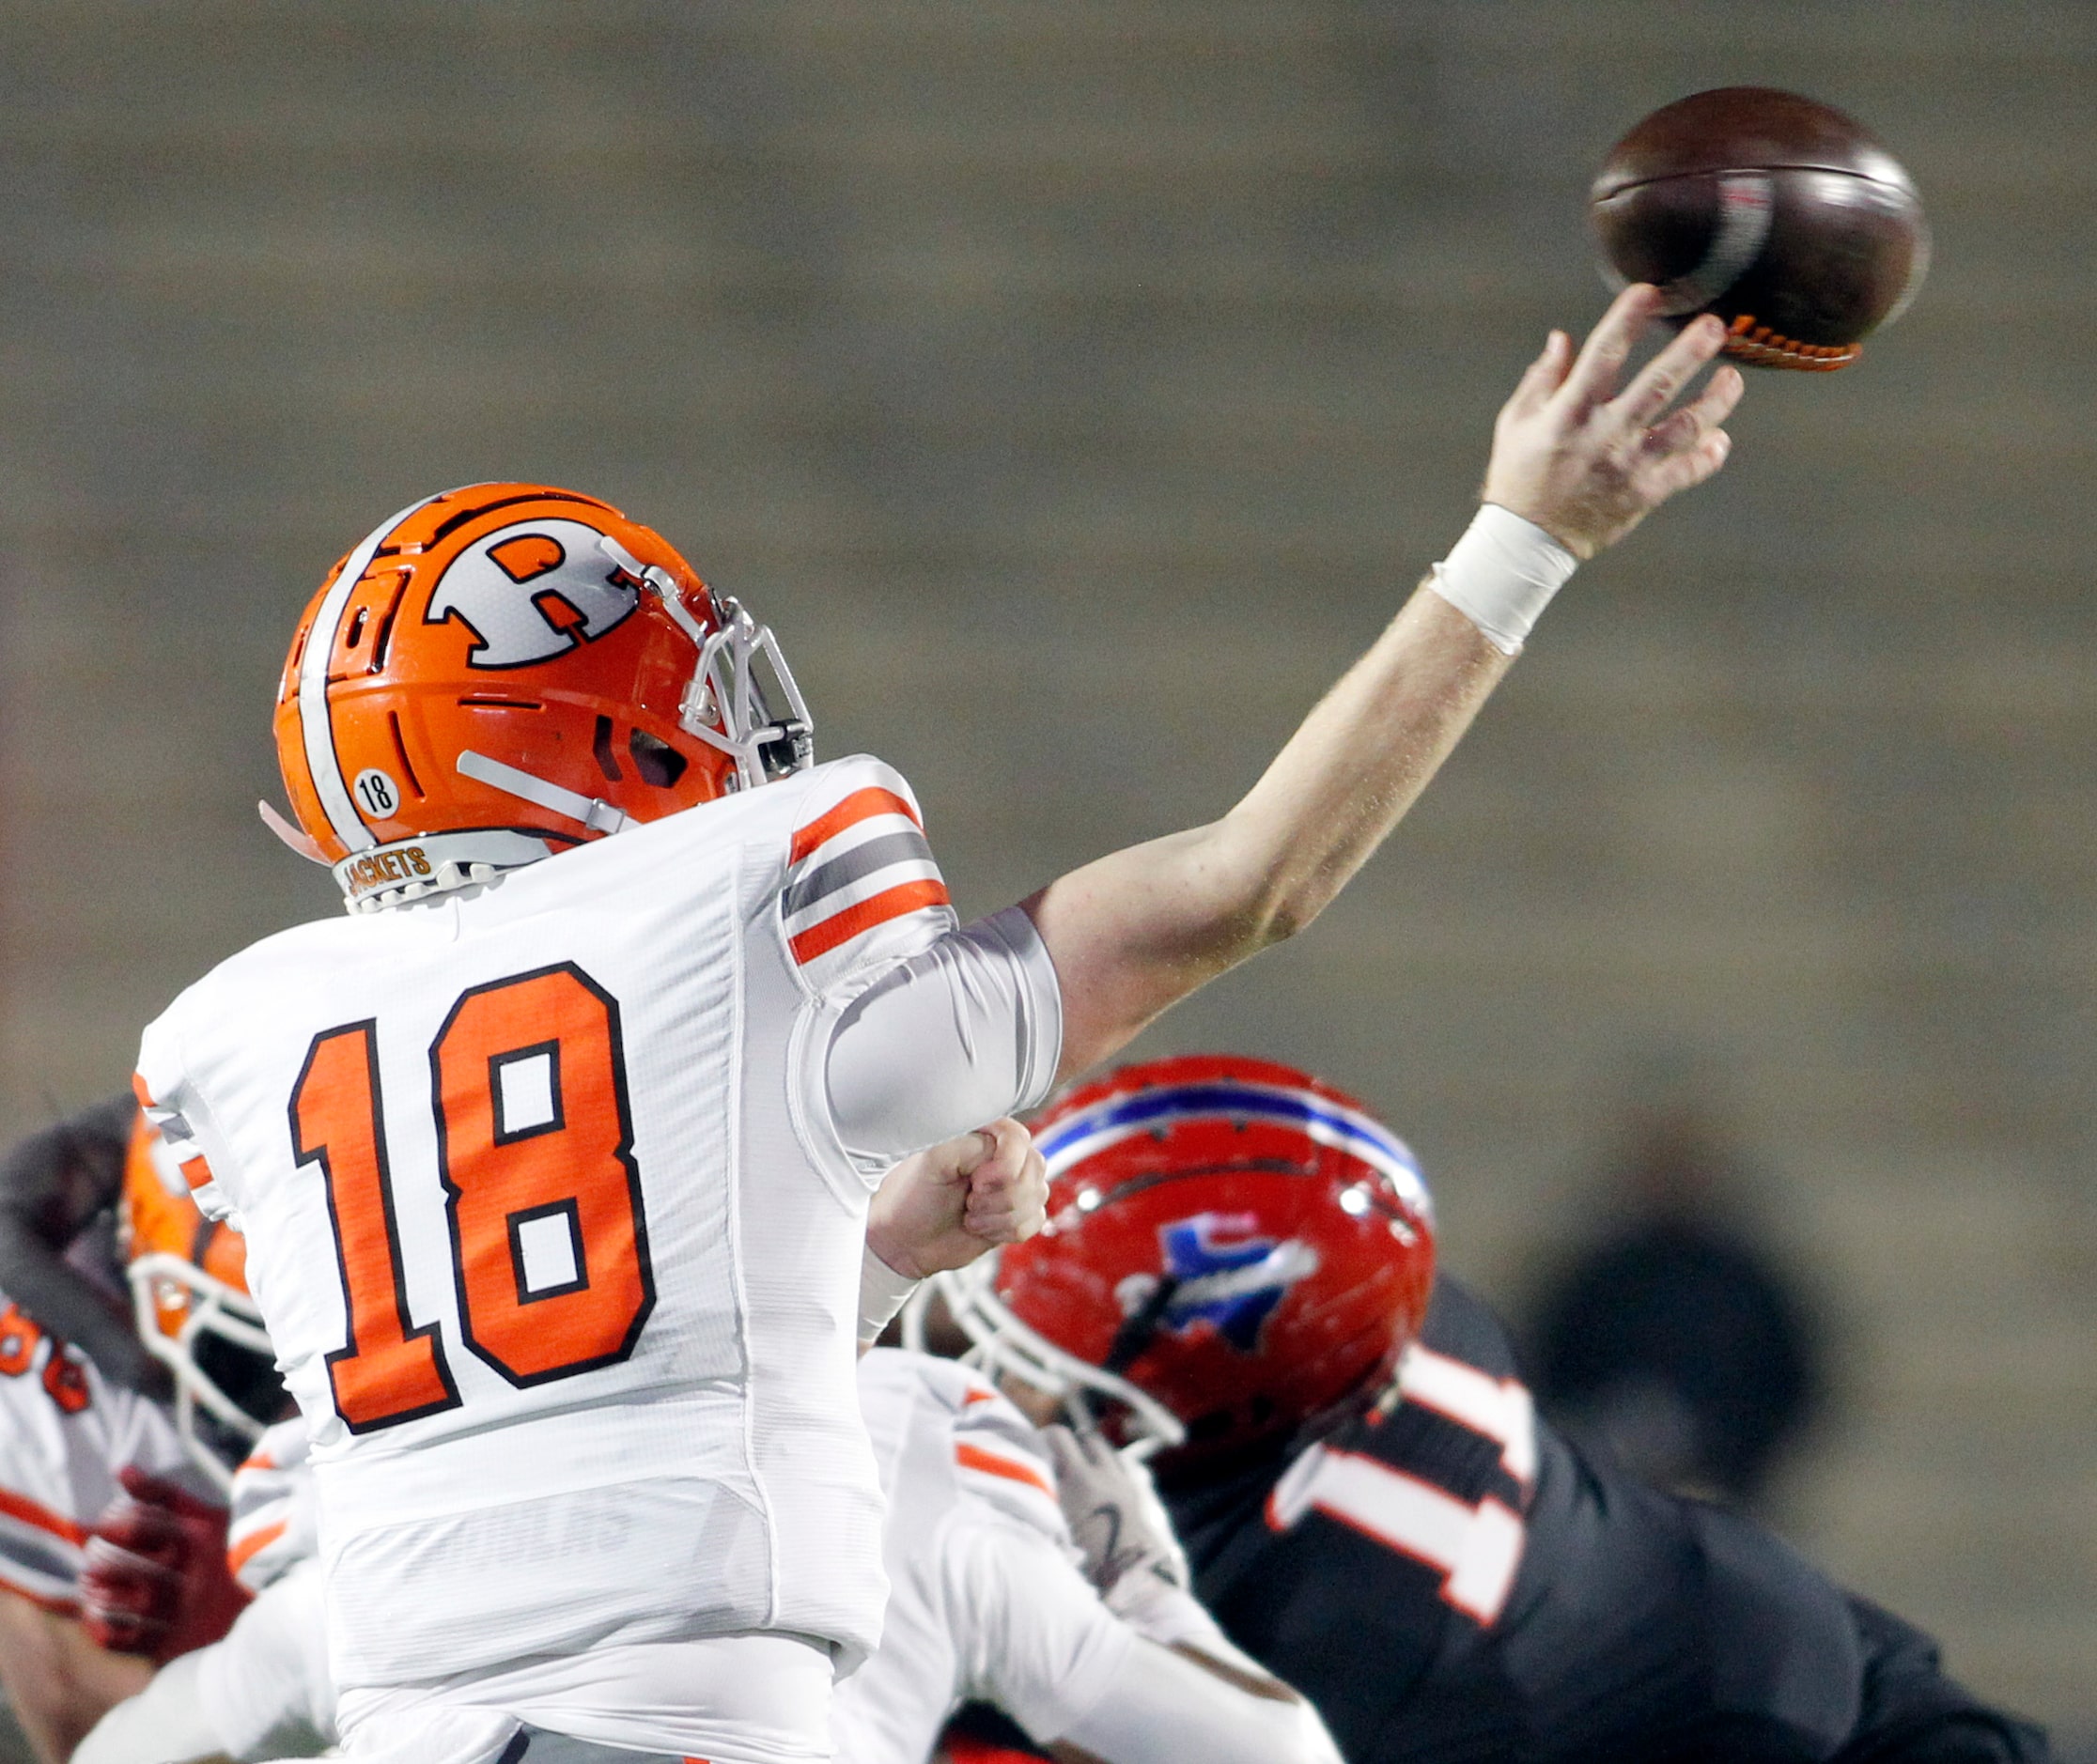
point(314, 723)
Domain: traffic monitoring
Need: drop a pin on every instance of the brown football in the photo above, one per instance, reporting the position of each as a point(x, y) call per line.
point(1779, 214)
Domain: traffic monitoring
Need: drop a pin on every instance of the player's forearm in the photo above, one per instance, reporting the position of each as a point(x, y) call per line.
point(1135, 932)
point(57, 1681)
point(1357, 764)
point(1163, 1706)
point(1575, 466)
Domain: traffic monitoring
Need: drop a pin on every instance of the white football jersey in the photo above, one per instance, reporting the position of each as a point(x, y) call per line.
point(986, 1598)
point(263, 1688)
point(556, 1236)
point(986, 1601)
point(65, 1431)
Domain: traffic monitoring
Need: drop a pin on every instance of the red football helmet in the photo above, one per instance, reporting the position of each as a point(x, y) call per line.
point(1234, 1252)
point(505, 670)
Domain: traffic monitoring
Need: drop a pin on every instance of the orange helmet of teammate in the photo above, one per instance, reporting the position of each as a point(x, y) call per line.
point(505, 670)
point(189, 1294)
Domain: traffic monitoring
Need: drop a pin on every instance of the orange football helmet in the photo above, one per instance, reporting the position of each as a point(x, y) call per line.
point(505, 670)
point(189, 1294)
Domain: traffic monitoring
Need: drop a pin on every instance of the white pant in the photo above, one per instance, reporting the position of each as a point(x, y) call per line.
point(729, 1699)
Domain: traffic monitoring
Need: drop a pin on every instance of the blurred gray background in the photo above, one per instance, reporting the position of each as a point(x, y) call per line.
point(1077, 387)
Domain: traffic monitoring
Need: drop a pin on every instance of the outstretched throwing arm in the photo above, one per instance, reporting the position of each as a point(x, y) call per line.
point(1136, 932)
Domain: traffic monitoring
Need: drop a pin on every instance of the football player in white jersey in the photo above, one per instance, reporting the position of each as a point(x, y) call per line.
point(112, 1506)
point(263, 1691)
point(554, 1175)
point(991, 1600)
point(1094, 1646)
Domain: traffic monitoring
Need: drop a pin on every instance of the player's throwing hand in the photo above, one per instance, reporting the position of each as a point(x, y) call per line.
point(1588, 463)
point(943, 1208)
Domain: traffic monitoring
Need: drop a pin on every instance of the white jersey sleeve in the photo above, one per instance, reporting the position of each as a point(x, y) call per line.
point(178, 1143)
point(1161, 1708)
point(988, 1603)
point(65, 1431)
point(986, 1598)
point(265, 1687)
point(968, 1031)
point(1036, 1640)
point(276, 1521)
point(260, 1693)
point(861, 890)
point(941, 1030)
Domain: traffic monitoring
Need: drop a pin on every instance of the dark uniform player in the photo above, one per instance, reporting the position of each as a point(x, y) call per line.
point(1238, 1257)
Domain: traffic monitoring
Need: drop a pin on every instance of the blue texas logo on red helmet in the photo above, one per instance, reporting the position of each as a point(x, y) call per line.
point(1216, 1270)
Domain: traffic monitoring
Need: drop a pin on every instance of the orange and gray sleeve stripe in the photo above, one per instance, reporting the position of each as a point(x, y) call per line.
point(855, 866)
point(175, 1134)
point(812, 835)
point(39, 1553)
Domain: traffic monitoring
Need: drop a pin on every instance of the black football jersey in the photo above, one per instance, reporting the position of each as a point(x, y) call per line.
point(1447, 1579)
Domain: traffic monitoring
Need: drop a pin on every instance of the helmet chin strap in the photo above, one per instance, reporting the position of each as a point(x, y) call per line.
point(594, 813)
point(432, 863)
point(298, 839)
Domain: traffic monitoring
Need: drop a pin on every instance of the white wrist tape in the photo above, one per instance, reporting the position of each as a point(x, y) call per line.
point(1502, 574)
point(882, 1294)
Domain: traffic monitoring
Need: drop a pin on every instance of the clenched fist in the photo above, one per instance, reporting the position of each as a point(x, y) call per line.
point(942, 1208)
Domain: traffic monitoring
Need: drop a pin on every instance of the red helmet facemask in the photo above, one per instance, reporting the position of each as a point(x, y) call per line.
point(1235, 1253)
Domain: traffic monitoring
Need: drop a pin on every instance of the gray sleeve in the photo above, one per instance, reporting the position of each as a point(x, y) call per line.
point(939, 1045)
point(53, 1186)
